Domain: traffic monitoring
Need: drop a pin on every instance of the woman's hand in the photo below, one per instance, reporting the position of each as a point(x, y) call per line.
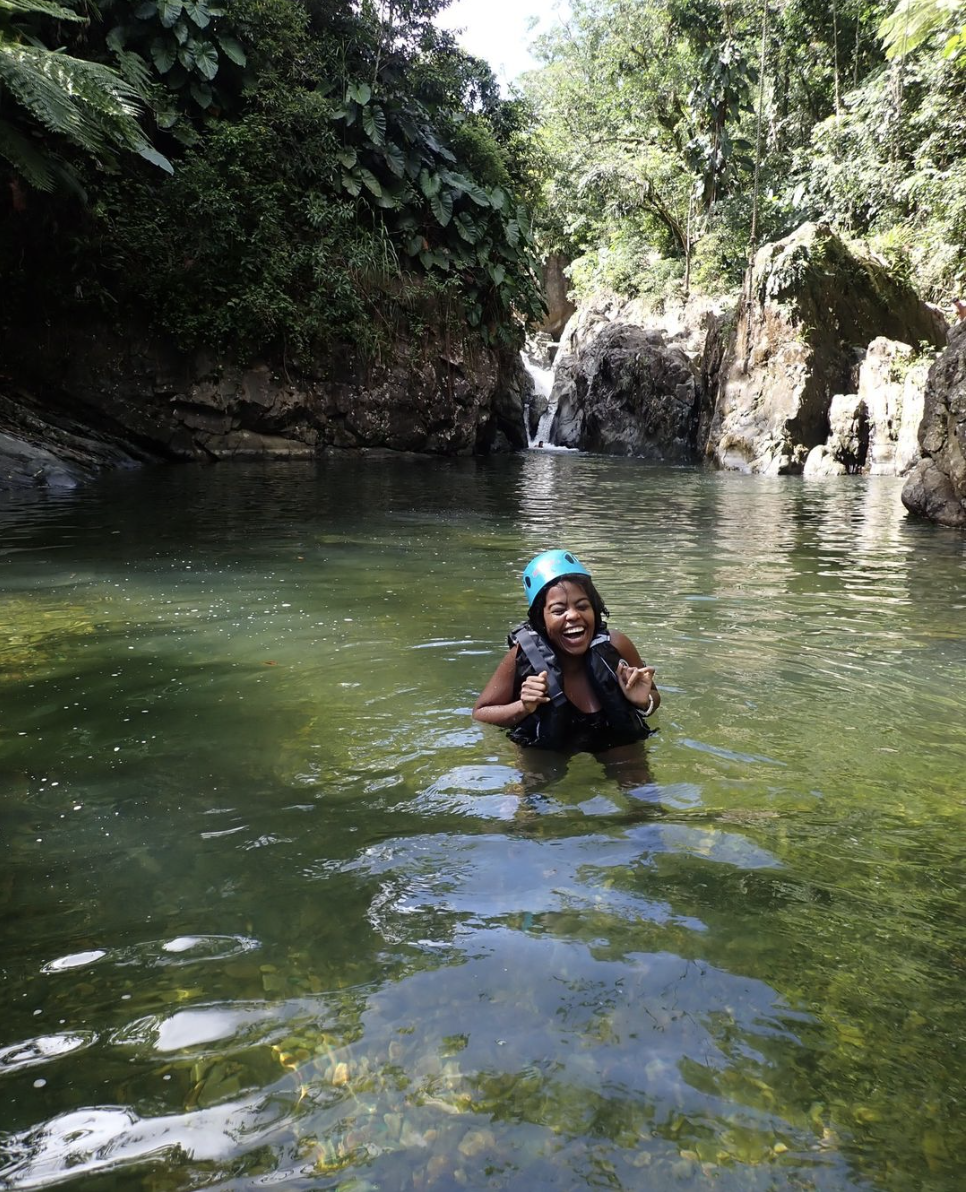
point(637, 683)
point(534, 692)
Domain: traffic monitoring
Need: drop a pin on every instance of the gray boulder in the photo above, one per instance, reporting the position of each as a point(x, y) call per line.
point(936, 488)
point(812, 307)
point(627, 392)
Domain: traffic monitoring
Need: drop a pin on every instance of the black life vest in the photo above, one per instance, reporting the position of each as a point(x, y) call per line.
point(551, 726)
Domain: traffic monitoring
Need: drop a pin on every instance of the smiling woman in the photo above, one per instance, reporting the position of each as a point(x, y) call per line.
point(567, 683)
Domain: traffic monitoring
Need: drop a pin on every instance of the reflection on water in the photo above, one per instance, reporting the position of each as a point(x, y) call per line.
point(276, 911)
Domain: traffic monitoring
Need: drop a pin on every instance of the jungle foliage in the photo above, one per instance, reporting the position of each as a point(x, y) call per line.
point(341, 172)
point(681, 134)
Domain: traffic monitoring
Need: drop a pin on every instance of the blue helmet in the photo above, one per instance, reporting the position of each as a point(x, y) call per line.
point(547, 567)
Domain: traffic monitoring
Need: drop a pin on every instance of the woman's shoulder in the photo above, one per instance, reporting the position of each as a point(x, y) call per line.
point(625, 647)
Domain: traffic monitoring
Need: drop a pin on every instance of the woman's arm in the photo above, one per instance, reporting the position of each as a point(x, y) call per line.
point(636, 679)
point(497, 703)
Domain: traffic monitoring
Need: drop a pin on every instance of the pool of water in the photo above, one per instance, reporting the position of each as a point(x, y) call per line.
point(275, 912)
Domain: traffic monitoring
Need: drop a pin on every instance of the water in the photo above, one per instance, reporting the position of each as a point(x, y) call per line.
point(276, 912)
point(543, 387)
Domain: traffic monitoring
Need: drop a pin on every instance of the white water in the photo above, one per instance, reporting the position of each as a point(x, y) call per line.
point(543, 385)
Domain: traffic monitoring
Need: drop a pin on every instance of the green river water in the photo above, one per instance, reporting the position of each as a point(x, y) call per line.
point(277, 913)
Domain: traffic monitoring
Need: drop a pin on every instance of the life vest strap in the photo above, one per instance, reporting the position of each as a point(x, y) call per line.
point(529, 643)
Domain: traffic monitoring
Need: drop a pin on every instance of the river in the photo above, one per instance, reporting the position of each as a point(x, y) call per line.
point(276, 912)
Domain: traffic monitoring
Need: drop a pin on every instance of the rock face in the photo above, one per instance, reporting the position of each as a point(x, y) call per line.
point(813, 307)
point(555, 290)
point(628, 392)
point(876, 429)
point(936, 488)
point(96, 399)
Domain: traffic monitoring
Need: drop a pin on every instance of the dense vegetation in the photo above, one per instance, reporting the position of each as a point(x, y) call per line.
point(292, 176)
point(329, 173)
point(681, 133)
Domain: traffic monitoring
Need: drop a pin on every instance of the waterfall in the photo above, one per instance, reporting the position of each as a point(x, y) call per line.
point(543, 386)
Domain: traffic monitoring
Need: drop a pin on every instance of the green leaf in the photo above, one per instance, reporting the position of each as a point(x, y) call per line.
point(371, 182)
point(498, 273)
point(149, 153)
point(347, 157)
point(474, 316)
point(429, 183)
point(426, 257)
point(351, 184)
point(206, 59)
point(147, 11)
point(198, 11)
point(395, 159)
point(497, 198)
point(163, 54)
point(466, 228)
point(169, 11)
point(180, 33)
point(414, 245)
point(442, 205)
point(374, 123)
point(117, 38)
point(513, 232)
point(232, 49)
point(360, 92)
point(202, 94)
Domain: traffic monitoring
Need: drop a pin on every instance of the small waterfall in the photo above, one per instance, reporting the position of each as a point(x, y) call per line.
point(543, 386)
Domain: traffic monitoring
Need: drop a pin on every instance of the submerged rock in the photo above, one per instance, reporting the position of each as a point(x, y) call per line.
point(936, 488)
point(813, 307)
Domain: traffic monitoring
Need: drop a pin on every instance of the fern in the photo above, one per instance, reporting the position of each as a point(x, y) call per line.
point(89, 104)
point(24, 157)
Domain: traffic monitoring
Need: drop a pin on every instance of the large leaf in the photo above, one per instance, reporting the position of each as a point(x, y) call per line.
point(466, 228)
point(374, 122)
point(232, 49)
point(395, 159)
point(442, 205)
point(45, 8)
point(498, 273)
point(201, 93)
point(497, 198)
point(360, 92)
point(149, 153)
point(163, 54)
point(198, 11)
point(371, 182)
point(206, 59)
point(351, 183)
point(169, 11)
point(429, 183)
point(347, 157)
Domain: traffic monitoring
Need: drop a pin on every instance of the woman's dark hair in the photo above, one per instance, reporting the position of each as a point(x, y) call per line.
point(583, 582)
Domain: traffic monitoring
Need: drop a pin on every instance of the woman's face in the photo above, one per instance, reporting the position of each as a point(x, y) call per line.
point(569, 617)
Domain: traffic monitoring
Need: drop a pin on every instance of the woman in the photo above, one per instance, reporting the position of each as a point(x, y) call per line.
point(566, 683)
